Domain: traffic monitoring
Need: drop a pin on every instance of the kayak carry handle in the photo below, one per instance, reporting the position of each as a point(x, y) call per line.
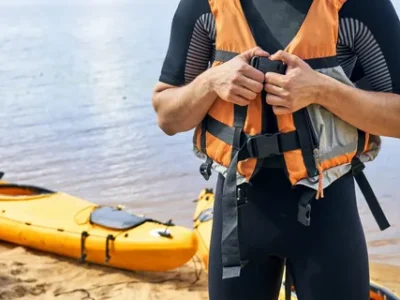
point(109, 238)
point(84, 235)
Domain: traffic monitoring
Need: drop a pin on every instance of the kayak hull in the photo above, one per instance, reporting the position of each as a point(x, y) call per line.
point(202, 224)
point(58, 223)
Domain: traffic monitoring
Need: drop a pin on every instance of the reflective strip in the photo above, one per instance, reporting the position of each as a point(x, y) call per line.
point(337, 151)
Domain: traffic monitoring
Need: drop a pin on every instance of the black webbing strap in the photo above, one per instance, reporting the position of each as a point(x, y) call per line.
point(315, 63)
point(243, 147)
point(372, 201)
point(308, 143)
point(306, 138)
point(231, 259)
point(203, 137)
point(362, 181)
point(224, 56)
point(259, 146)
point(205, 168)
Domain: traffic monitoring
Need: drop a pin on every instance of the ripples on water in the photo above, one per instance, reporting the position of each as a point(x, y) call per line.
point(75, 90)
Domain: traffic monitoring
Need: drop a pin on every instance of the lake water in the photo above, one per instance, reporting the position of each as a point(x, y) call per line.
point(75, 105)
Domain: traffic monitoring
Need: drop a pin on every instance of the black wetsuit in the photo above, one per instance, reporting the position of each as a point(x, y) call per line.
point(329, 259)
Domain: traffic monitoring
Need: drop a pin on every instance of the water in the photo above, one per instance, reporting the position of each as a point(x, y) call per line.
point(75, 90)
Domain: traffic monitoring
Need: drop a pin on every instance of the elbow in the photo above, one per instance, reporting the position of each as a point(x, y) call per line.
point(166, 127)
point(166, 123)
point(162, 122)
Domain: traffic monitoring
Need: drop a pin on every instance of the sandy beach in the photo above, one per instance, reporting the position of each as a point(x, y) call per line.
point(27, 274)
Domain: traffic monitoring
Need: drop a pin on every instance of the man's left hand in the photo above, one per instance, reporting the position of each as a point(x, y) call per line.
point(298, 88)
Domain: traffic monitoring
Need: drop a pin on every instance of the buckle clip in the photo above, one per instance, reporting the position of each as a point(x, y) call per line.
point(241, 195)
point(265, 65)
point(205, 169)
point(304, 214)
point(263, 145)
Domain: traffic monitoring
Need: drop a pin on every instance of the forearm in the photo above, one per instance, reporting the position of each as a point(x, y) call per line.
point(374, 112)
point(181, 109)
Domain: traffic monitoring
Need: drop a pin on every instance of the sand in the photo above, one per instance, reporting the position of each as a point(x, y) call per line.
point(28, 274)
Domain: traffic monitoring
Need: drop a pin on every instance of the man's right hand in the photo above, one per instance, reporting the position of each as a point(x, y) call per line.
point(236, 80)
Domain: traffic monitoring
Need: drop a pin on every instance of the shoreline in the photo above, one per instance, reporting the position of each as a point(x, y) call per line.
point(30, 274)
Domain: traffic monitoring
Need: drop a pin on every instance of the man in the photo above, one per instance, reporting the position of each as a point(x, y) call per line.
point(327, 259)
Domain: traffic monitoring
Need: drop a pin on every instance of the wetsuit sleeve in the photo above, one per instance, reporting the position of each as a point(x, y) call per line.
point(190, 46)
point(371, 30)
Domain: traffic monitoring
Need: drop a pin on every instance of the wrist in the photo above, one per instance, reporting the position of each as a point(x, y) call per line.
point(325, 88)
point(204, 84)
point(209, 81)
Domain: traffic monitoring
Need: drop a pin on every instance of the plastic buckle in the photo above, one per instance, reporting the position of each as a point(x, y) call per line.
point(263, 146)
point(241, 195)
point(265, 65)
point(282, 68)
point(304, 214)
point(205, 170)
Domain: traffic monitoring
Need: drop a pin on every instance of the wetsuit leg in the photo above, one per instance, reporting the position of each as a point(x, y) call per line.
point(261, 278)
point(329, 259)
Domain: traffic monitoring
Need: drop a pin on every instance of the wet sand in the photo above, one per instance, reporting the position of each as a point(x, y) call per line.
point(27, 274)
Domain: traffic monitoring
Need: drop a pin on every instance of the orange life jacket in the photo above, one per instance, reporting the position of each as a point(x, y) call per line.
point(317, 146)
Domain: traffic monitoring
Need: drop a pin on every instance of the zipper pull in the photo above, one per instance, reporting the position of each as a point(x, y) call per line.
point(320, 191)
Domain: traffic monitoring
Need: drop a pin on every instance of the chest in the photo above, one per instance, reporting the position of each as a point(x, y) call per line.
point(274, 23)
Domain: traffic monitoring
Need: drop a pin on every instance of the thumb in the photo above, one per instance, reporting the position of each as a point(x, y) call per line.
point(286, 58)
point(256, 51)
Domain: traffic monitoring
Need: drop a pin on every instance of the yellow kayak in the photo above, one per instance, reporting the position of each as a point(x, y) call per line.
point(202, 224)
point(58, 223)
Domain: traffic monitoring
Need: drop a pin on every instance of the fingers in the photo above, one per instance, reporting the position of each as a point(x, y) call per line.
point(276, 100)
point(279, 105)
point(253, 85)
point(238, 94)
point(239, 100)
point(257, 51)
point(276, 79)
point(253, 73)
point(287, 58)
point(280, 110)
point(276, 90)
point(243, 92)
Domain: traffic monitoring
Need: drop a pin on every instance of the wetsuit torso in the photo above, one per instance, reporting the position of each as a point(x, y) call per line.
point(329, 259)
